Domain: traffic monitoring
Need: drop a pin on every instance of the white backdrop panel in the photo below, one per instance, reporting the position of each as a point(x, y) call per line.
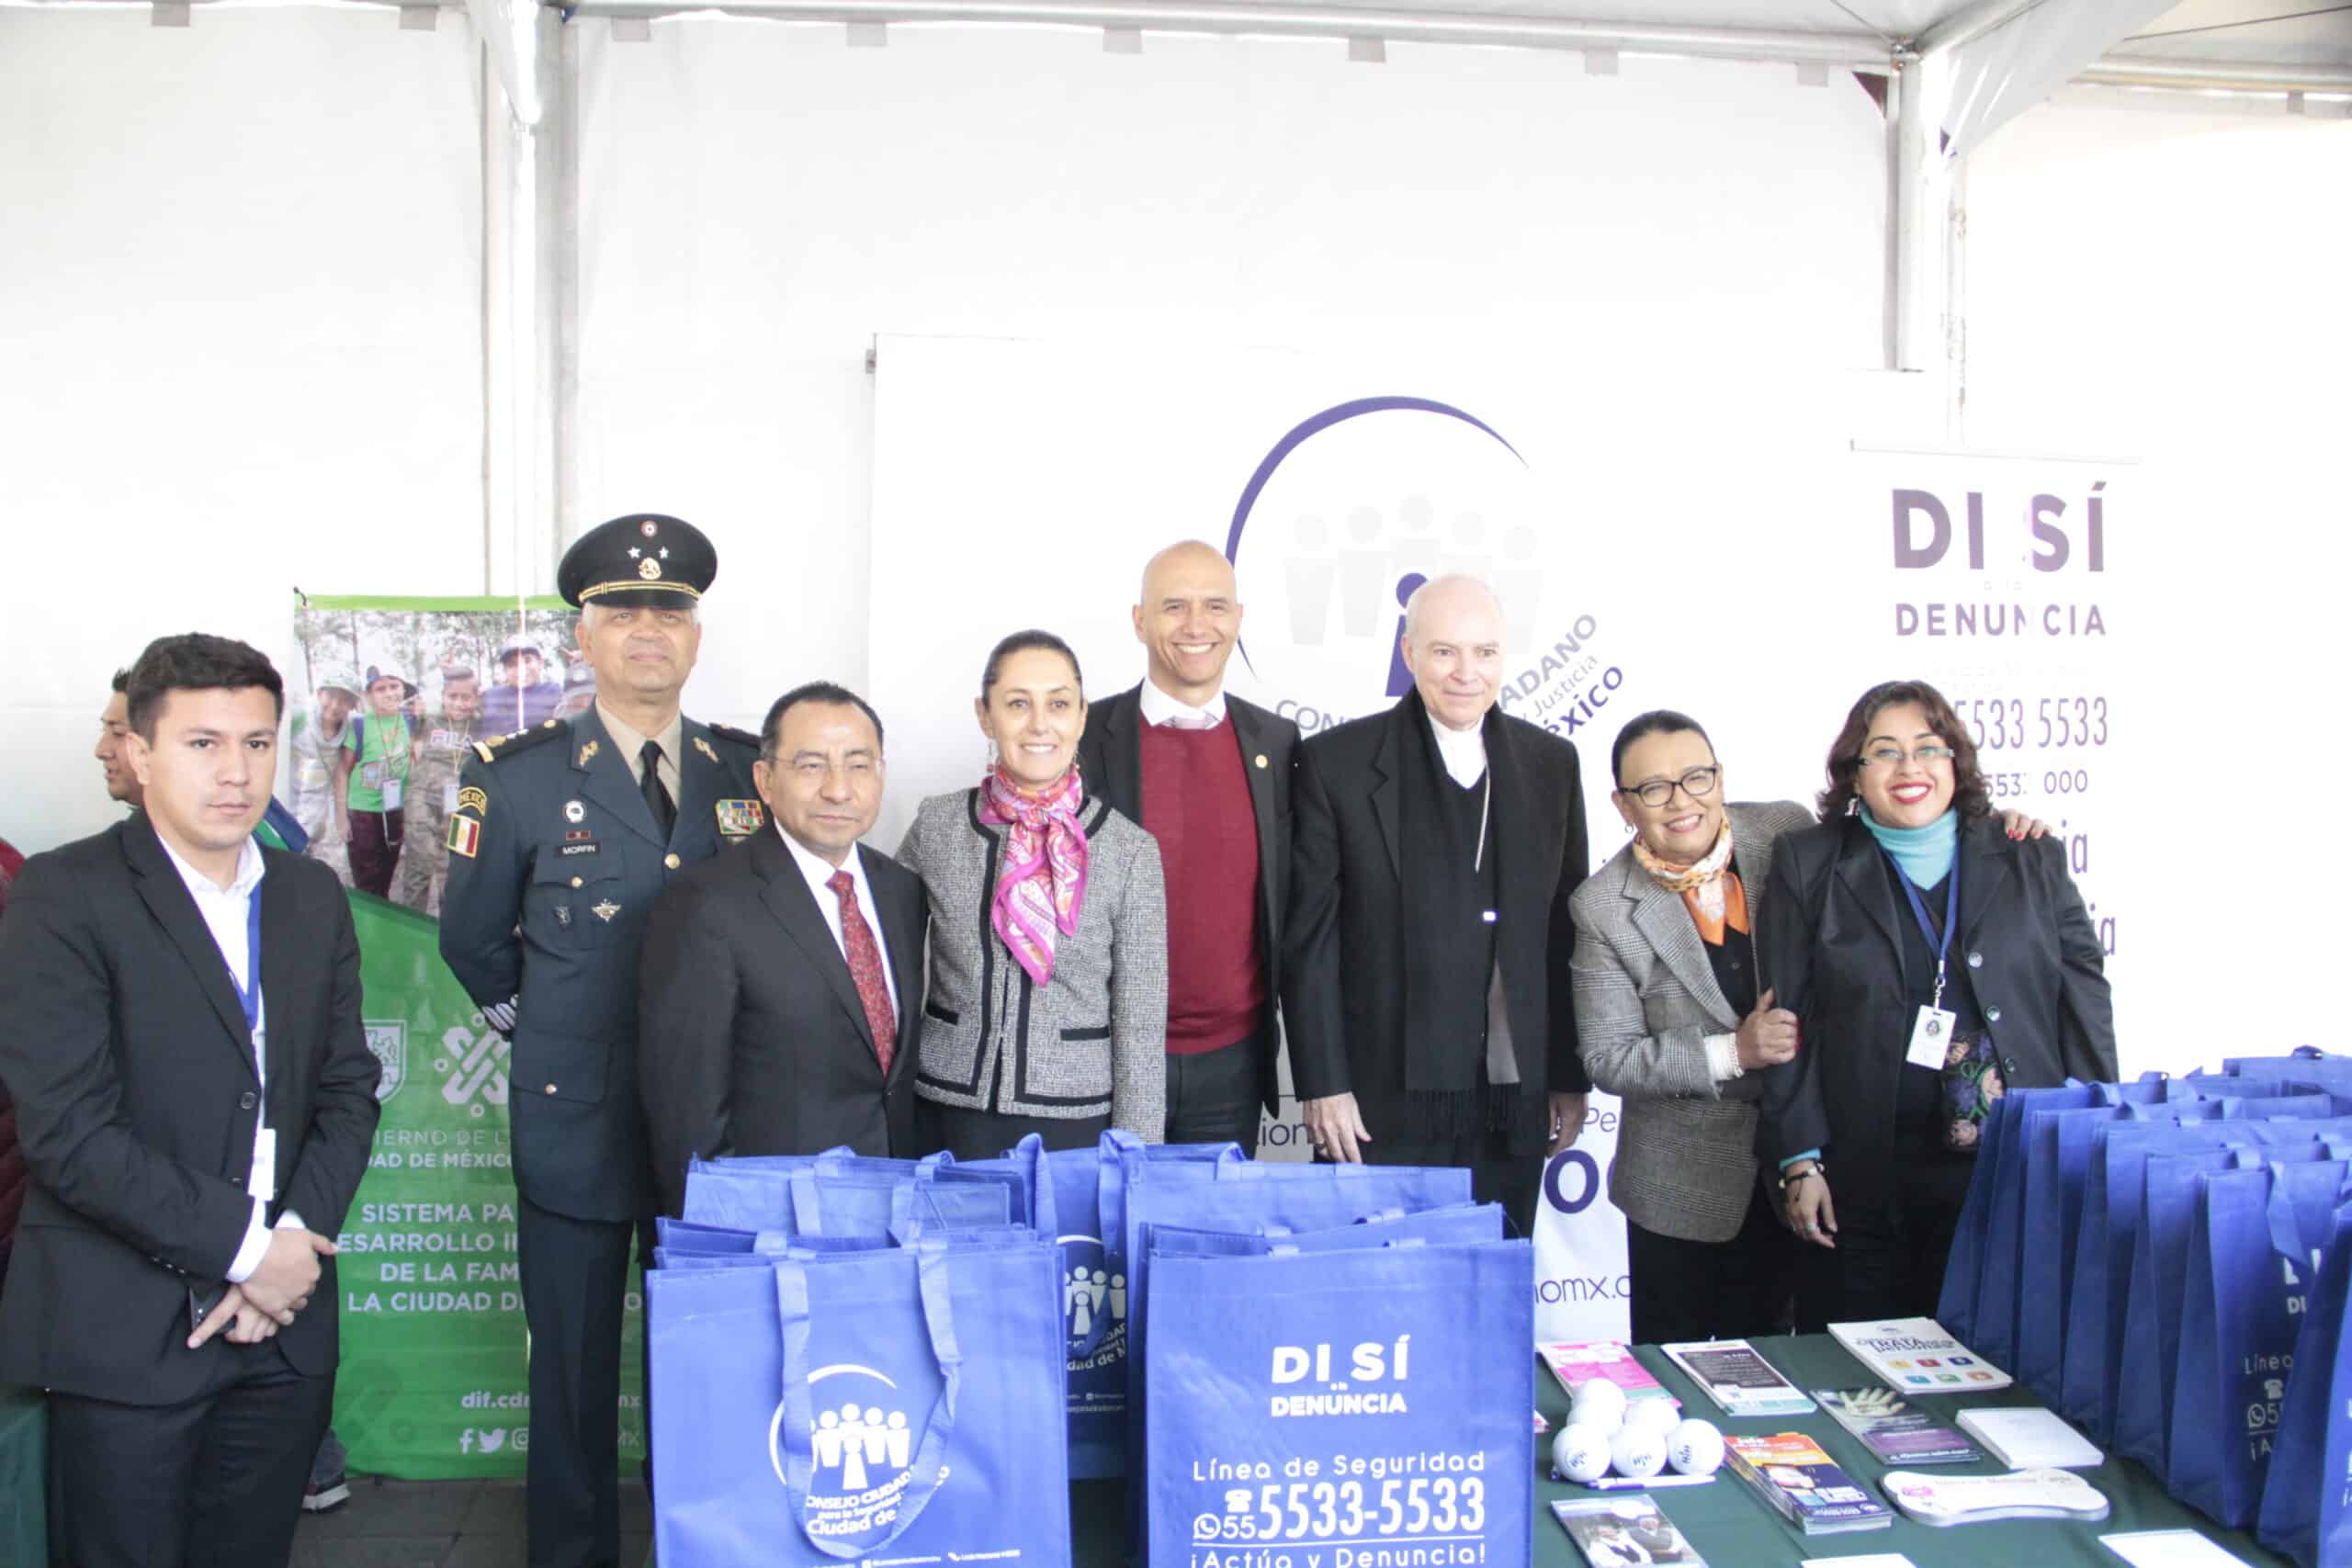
point(758, 200)
point(241, 308)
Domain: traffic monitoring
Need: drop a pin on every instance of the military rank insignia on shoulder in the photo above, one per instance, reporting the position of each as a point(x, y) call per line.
point(499, 746)
point(744, 738)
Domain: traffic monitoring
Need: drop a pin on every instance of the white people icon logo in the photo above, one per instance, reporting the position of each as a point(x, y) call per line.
point(860, 1450)
point(1094, 1298)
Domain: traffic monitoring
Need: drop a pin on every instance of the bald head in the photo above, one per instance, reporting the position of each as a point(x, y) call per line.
point(1453, 646)
point(1449, 596)
point(1188, 617)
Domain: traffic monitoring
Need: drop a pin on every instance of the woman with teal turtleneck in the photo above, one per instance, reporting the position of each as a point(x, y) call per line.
point(1934, 961)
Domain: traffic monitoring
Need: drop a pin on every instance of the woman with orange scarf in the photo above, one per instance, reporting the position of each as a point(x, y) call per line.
point(1047, 1011)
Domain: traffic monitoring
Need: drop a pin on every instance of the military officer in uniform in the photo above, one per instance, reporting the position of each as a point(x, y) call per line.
point(564, 835)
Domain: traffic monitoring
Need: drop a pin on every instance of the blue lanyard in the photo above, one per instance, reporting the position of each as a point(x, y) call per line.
point(249, 992)
point(1919, 913)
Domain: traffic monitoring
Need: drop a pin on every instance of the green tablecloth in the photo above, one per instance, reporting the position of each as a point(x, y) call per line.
point(24, 1475)
point(1733, 1528)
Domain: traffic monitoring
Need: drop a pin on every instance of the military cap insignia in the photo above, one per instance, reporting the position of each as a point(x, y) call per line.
point(465, 836)
point(649, 569)
point(740, 818)
point(606, 910)
point(649, 528)
point(705, 747)
point(474, 800)
point(586, 752)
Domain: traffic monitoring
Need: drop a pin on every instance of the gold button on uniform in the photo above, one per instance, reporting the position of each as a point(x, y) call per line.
point(551, 1089)
point(670, 861)
point(575, 881)
point(1261, 758)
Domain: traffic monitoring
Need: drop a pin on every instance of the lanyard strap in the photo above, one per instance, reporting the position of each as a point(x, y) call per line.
point(249, 993)
point(1919, 913)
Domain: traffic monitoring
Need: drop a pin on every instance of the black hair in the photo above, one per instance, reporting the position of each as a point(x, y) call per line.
point(814, 692)
point(1657, 721)
point(196, 661)
point(123, 681)
point(1024, 642)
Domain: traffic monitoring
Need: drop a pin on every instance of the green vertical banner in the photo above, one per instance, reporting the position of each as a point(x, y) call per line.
point(435, 1383)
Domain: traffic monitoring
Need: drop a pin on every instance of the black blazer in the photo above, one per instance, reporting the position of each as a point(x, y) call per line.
point(1343, 975)
point(752, 1040)
point(1110, 758)
point(1833, 950)
point(125, 1047)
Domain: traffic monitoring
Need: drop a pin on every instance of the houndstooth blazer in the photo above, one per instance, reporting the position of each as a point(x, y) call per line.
point(1093, 1039)
point(1646, 1000)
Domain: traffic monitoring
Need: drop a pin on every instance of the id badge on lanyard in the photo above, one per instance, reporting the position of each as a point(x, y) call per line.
point(1931, 1030)
point(263, 1181)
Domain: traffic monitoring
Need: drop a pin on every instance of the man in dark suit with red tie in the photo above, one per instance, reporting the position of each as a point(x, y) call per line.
point(780, 993)
point(179, 1027)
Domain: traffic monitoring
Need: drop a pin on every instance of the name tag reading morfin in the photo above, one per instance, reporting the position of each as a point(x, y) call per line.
point(740, 819)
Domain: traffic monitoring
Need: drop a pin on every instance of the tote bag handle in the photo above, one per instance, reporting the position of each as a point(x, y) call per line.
point(930, 1460)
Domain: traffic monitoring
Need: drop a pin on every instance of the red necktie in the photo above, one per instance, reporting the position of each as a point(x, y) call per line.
point(866, 970)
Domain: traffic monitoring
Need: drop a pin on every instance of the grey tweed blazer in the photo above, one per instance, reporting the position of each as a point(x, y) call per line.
point(1094, 1038)
point(1646, 1000)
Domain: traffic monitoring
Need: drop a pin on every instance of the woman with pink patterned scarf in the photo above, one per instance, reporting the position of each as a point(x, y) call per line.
point(1046, 1008)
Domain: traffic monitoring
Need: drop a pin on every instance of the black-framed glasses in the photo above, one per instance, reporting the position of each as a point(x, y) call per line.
point(1697, 783)
point(1890, 757)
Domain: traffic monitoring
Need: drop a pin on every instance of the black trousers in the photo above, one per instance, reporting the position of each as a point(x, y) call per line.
point(1516, 1182)
point(984, 1135)
point(1739, 1289)
point(574, 1272)
point(1213, 1095)
point(1895, 1231)
point(216, 1481)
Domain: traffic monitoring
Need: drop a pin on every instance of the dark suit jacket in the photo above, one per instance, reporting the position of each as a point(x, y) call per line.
point(752, 1040)
point(1833, 951)
point(1343, 970)
point(1110, 758)
point(125, 1047)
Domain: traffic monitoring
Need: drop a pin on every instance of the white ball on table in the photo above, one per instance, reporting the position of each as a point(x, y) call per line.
point(1659, 1413)
point(1599, 1403)
point(1580, 1453)
point(1637, 1451)
point(1695, 1448)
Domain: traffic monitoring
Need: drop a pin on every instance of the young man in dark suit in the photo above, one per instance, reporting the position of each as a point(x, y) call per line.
point(179, 1026)
point(1209, 777)
point(780, 996)
point(1426, 985)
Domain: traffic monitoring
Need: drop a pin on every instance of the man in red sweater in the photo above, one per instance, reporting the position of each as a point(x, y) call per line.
point(1209, 774)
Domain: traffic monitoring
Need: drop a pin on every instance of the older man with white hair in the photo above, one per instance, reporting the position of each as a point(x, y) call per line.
point(1426, 985)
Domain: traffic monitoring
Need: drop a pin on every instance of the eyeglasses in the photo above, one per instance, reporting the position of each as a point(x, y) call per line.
point(1888, 757)
point(1697, 783)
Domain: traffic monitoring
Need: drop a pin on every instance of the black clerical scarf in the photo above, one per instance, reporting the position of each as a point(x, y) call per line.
point(1451, 886)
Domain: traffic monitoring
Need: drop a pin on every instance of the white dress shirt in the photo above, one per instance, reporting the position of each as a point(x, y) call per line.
point(1463, 751)
point(226, 912)
point(818, 870)
point(1159, 708)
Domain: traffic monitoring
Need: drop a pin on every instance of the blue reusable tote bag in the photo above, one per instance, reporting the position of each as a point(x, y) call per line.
point(2306, 1497)
point(1081, 1206)
point(899, 1402)
point(1253, 1200)
point(2254, 1244)
point(2106, 1246)
point(2159, 1284)
point(1344, 1407)
point(2058, 1146)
